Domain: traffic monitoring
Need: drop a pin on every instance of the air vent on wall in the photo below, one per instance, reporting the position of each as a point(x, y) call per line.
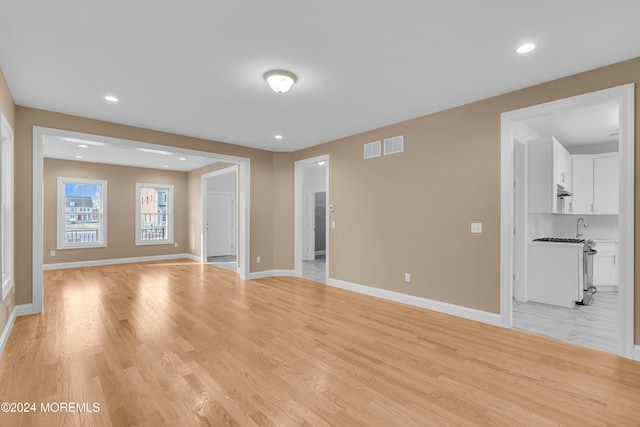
point(371, 150)
point(393, 145)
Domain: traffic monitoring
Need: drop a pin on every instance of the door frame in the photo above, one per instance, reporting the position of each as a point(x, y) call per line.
point(624, 95)
point(203, 204)
point(298, 212)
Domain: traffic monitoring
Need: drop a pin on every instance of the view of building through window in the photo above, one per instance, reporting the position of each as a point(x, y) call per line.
point(153, 214)
point(83, 213)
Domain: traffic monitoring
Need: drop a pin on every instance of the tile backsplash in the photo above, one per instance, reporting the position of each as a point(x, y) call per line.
point(604, 227)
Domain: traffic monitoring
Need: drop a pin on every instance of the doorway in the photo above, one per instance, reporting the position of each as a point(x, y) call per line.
point(220, 189)
point(311, 225)
point(513, 280)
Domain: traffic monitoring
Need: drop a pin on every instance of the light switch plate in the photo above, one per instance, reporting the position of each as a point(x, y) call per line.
point(476, 227)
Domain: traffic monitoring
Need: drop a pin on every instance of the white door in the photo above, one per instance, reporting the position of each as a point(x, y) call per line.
point(220, 224)
point(309, 226)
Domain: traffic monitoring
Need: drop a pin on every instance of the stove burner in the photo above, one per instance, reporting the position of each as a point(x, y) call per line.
point(558, 240)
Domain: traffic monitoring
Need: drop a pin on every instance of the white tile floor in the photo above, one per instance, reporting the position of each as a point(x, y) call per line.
point(594, 326)
point(315, 270)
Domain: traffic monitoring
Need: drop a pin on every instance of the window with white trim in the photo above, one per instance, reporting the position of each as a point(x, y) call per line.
point(154, 214)
point(82, 213)
point(6, 206)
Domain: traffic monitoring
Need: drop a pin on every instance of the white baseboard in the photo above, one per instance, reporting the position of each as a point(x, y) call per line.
point(99, 262)
point(636, 356)
point(271, 273)
point(321, 252)
point(607, 288)
point(442, 307)
point(7, 330)
point(24, 310)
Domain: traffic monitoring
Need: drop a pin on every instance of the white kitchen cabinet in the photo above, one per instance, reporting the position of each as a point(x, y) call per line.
point(605, 265)
point(605, 185)
point(582, 202)
point(548, 166)
point(554, 273)
point(595, 184)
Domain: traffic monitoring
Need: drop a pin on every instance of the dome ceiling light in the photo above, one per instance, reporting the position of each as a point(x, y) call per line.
point(280, 80)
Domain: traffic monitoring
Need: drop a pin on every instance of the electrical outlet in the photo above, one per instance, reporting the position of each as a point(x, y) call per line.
point(258, 259)
point(53, 253)
point(476, 227)
point(407, 277)
point(175, 245)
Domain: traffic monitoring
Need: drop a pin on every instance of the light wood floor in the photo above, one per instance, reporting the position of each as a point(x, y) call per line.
point(181, 344)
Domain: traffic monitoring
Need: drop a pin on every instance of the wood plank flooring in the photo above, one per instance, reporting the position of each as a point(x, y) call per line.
point(184, 344)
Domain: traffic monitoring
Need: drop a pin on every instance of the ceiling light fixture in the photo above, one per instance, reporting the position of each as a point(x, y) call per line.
point(183, 158)
point(78, 157)
point(83, 146)
point(526, 48)
point(278, 137)
point(321, 163)
point(111, 98)
point(165, 166)
point(280, 80)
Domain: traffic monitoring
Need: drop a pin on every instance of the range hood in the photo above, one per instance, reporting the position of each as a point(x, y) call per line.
point(562, 193)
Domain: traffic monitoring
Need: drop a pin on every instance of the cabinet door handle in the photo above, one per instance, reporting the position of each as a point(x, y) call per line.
point(614, 260)
point(562, 177)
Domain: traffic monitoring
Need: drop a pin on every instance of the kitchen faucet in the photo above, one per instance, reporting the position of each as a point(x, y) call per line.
point(578, 233)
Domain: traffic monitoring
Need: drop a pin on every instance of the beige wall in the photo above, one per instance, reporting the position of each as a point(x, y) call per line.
point(411, 212)
point(26, 118)
point(8, 109)
point(121, 198)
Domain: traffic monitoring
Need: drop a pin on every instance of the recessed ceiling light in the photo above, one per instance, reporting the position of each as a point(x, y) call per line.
point(78, 157)
point(183, 158)
point(279, 137)
point(82, 146)
point(526, 48)
point(321, 163)
point(111, 98)
point(152, 151)
point(165, 166)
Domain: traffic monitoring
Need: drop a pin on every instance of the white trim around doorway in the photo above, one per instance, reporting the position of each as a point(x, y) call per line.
point(39, 132)
point(624, 95)
point(298, 209)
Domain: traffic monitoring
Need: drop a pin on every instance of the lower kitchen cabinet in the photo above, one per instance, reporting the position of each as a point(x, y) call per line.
point(605, 265)
point(554, 273)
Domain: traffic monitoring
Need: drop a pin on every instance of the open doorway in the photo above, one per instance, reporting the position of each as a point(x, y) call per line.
point(220, 191)
point(311, 227)
point(547, 174)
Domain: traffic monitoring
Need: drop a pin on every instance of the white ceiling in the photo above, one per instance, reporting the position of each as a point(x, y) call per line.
point(96, 149)
point(590, 125)
point(195, 67)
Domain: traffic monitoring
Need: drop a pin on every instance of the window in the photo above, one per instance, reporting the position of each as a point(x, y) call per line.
point(154, 214)
point(87, 230)
point(6, 206)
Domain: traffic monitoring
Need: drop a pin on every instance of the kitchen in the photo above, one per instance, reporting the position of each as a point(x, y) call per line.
point(570, 291)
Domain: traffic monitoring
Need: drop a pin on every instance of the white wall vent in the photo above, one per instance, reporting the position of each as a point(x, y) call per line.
point(372, 149)
point(393, 145)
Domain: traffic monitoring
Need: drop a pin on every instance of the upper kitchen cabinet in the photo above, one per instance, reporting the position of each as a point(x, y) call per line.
point(549, 166)
point(595, 184)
